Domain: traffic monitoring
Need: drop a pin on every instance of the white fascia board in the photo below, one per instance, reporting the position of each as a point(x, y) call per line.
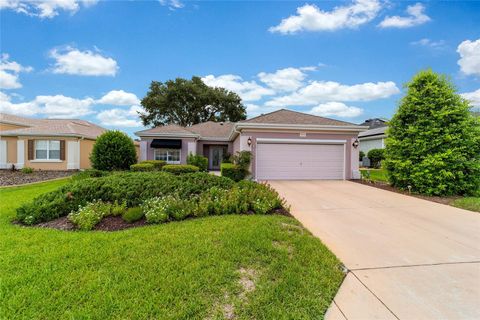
point(310, 127)
point(301, 141)
point(377, 137)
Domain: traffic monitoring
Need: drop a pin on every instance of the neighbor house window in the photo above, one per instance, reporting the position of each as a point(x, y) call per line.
point(47, 149)
point(168, 155)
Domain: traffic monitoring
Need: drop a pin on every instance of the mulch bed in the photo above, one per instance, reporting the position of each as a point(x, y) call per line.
point(386, 186)
point(11, 178)
point(110, 223)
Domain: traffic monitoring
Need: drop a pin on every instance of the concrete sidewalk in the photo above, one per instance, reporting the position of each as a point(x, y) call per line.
point(407, 258)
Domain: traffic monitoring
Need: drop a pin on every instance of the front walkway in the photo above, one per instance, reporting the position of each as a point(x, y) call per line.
point(407, 258)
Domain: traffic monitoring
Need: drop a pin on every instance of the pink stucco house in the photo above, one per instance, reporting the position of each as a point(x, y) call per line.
point(285, 144)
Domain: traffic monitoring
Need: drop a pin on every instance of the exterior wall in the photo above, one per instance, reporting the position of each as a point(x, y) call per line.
point(46, 165)
point(369, 144)
point(86, 147)
point(351, 167)
point(8, 126)
point(183, 152)
point(10, 157)
point(236, 145)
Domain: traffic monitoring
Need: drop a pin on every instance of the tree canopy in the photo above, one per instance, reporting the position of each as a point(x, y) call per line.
point(433, 143)
point(187, 102)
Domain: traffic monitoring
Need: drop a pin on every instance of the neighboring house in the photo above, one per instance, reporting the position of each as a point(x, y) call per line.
point(284, 144)
point(374, 137)
point(46, 144)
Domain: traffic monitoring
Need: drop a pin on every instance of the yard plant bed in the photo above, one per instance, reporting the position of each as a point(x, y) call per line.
point(231, 266)
point(10, 178)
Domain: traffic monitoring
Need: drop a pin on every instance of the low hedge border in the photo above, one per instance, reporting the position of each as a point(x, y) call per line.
point(233, 171)
point(180, 168)
point(132, 187)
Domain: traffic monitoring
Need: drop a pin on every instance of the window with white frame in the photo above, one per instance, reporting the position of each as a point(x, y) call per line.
point(169, 155)
point(47, 149)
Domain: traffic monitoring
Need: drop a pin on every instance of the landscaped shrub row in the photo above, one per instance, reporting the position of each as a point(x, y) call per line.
point(180, 168)
point(133, 187)
point(245, 197)
point(86, 217)
point(198, 161)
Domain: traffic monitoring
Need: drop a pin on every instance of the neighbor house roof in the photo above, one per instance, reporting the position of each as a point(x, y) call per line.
point(373, 132)
point(211, 129)
point(374, 123)
point(171, 129)
point(284, 116)
point(50, 127)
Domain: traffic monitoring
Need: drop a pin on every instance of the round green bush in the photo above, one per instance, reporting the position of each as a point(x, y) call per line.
point(113, 150)
point(433, 144)
point(376, 156)
point(133, 214)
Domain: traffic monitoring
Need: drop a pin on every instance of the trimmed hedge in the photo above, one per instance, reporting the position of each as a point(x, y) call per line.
point(133, 214)
point(199, 161)
point(158, 164)
point(132, 187)
point(233, 171)
point(142, 167)
point(90, 173)
point(113, 150)
point(180, 168)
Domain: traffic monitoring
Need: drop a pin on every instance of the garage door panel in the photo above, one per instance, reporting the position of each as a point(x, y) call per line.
point(299, 161)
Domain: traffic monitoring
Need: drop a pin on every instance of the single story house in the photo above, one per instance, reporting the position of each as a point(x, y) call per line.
point(284, 144)
point(46, 144)
point(374, 137)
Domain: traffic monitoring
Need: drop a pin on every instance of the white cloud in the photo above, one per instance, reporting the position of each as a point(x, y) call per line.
point(85, 63)
point(120, 117)
point(9, 73)
point(321, 91)
point(425, 42)
point(119, 98)
point(416, 16)
point(288, 79)
point(172, 4)
point(311, 18)
point(247, 90)
point(45, 8)
point(473, 97)
point(58, 106)
point(338, 109)
point(469, 57)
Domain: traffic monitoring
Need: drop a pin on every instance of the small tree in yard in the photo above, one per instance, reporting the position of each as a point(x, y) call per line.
point(113, 150)
point(433, 143)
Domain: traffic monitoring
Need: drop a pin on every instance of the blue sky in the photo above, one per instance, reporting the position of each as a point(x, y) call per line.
point(346, 60)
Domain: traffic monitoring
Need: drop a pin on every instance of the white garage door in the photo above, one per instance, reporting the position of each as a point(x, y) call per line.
point(289, 161)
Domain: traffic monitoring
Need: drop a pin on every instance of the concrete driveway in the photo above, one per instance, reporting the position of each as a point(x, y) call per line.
point(407, 258)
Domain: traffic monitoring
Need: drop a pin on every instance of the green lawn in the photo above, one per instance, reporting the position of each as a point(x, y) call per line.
point(469, 203)
point(375, 174)
point(179, 270)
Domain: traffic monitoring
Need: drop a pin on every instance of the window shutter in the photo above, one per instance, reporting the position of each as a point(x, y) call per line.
point(30, 149)
point(62, 149)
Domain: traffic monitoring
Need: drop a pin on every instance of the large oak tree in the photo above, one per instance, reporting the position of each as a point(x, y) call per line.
point(187, 102)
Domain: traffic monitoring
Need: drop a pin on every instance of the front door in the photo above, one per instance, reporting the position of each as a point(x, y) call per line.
point(216, 156)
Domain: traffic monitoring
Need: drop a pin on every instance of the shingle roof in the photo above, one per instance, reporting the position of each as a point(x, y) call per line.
point(168, 129)
point(284, 116)
point(373, 132)
point(47, 127)
point(213, 129)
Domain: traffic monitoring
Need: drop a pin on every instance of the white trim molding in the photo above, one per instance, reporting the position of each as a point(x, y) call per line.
point(3, 154)
point(301, 141)
point(20, 154)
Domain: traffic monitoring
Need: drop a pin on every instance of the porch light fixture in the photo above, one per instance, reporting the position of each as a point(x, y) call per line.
point(249, 141)
point(355, 143)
